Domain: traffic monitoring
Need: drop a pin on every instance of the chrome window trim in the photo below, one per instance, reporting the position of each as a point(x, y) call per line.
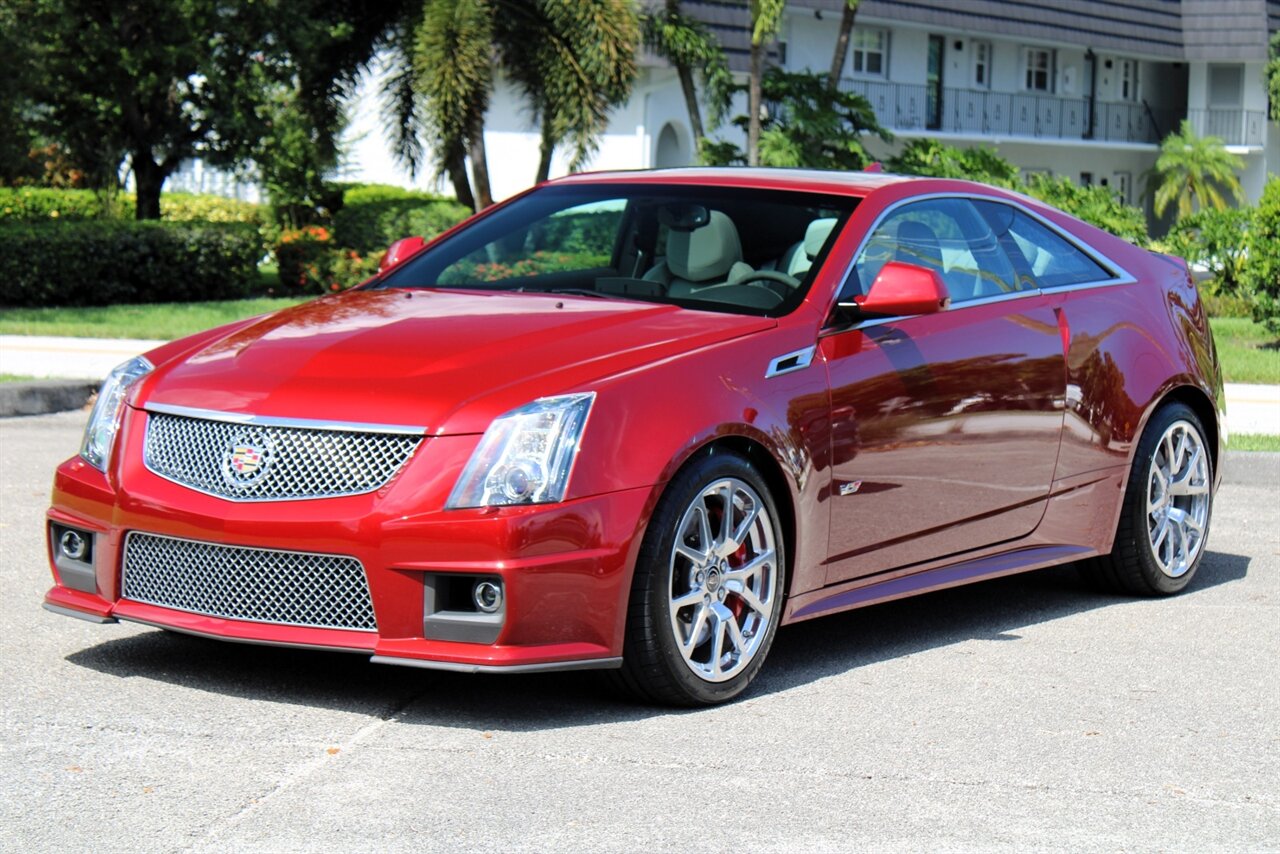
point(803, 358)
point(274, 421)
point(1120, 276)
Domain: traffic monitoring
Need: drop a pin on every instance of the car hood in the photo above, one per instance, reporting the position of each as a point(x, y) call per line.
point(449, 361)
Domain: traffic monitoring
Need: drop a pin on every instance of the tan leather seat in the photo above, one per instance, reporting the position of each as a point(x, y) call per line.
point(702, 258)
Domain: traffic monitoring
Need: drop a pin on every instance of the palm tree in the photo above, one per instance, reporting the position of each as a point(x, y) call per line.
point(691, 47)
point(1195, 171)
point(573, 61)
point(766, 18)
point(847, 17)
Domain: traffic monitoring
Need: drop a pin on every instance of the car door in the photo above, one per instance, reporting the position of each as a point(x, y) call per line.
point(945, 426)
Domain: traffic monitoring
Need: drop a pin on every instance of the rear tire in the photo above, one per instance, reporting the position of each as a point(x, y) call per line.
point(707, 593)
point(1164, 520)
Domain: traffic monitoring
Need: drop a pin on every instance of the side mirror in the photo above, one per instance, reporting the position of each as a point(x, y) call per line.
point(399, 251)
point(901, 290)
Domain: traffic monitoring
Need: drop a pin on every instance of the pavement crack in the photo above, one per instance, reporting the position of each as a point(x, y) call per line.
point(325, 756)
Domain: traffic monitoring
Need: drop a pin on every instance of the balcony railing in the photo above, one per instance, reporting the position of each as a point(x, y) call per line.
point(1233, 127)
point(906, 107)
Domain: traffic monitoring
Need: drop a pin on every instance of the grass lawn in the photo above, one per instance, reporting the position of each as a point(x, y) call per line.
point(1248, 352)
point(1253, 442)
point(159, 320)
point(14, 378)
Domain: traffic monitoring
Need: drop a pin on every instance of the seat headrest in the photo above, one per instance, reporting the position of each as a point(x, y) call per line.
point(917, 244)
point(815, 236)
point(705, 253)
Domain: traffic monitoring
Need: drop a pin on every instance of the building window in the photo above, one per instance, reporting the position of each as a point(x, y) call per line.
point(1226, 85)
point(1039, 69)
point(1128, 80)
point(982, 65)
point(871, 52)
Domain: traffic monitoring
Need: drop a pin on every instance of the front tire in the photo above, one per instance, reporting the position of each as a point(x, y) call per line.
point(1164, 520)
point(707, 593)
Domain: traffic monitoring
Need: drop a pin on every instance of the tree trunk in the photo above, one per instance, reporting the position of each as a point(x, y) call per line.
point(547, 149)
point(456, 166)
point(754, 98)
point(479, 164)
point(691, 102)
point(148, 178)
point(842, 44)
point(685, 73)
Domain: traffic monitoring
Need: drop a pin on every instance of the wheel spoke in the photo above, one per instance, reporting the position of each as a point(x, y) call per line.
point(717, 643)
point(690, 643)
point(691, 554)
point(693, 597)
point(741, 532)
point(751, 568)
point(704, 529)
point(752, 601)
point(735, 636)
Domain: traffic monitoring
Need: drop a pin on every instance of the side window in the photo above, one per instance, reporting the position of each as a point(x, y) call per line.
point(577, 238)
point(945, 235)
point(1053, 260)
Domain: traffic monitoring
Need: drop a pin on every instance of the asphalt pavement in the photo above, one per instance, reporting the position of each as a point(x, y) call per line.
point(1022, 714)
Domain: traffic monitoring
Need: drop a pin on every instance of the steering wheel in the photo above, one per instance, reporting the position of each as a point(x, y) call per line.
point(772, 277)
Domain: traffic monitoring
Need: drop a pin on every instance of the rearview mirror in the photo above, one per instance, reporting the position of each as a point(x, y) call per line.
point(679, 216)
point(901, 290)
point(399, 251)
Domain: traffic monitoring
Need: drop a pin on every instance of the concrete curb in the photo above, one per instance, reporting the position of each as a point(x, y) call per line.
point(1252, 468)
point(41, 397)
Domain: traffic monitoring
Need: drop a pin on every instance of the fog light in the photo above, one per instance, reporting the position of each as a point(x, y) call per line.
point(73, 545)
point(487, 596)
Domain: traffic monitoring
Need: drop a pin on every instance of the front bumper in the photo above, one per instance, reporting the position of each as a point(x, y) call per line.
point(565, 568)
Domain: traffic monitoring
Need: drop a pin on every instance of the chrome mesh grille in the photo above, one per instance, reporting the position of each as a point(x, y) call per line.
point(264, 462)
point(260, 585)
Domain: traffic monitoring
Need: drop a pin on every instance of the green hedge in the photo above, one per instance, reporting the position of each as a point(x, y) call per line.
point(372, 218)
point(1262, 273)
point(41, 204)
point(203, 207)
point(100, 263)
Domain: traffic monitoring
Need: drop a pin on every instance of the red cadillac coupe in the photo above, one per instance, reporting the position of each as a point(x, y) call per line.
point(638, 421)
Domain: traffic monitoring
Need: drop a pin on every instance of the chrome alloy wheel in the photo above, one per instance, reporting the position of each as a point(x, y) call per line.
point(1177, 499)
point(724, 579)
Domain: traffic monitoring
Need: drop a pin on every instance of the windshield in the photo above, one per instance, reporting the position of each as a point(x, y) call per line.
point(713, 248)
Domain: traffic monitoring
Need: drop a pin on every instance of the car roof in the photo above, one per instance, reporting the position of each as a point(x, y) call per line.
point(802, 180)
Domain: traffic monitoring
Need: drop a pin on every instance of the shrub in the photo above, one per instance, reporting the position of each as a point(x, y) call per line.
point(1095, 205)
point(311, 262)
point(1214, 239)
point(938, 160)
point(1262, 271)
point(192, 207)
point(371, 226)
point(98, 263)
point(43, 204)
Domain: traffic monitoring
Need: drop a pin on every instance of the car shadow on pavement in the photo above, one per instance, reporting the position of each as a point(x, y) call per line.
point(804, 653)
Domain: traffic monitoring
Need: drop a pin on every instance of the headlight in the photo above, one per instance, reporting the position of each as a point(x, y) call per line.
point(526, 455)
point(105, 420)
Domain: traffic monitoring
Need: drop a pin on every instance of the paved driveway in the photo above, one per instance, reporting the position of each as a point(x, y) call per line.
point(1016, 714)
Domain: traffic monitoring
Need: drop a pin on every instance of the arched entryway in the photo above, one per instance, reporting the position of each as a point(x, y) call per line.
point(672, 148)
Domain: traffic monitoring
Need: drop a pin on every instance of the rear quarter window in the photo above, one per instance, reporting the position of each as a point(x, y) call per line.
point(1054, 261)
